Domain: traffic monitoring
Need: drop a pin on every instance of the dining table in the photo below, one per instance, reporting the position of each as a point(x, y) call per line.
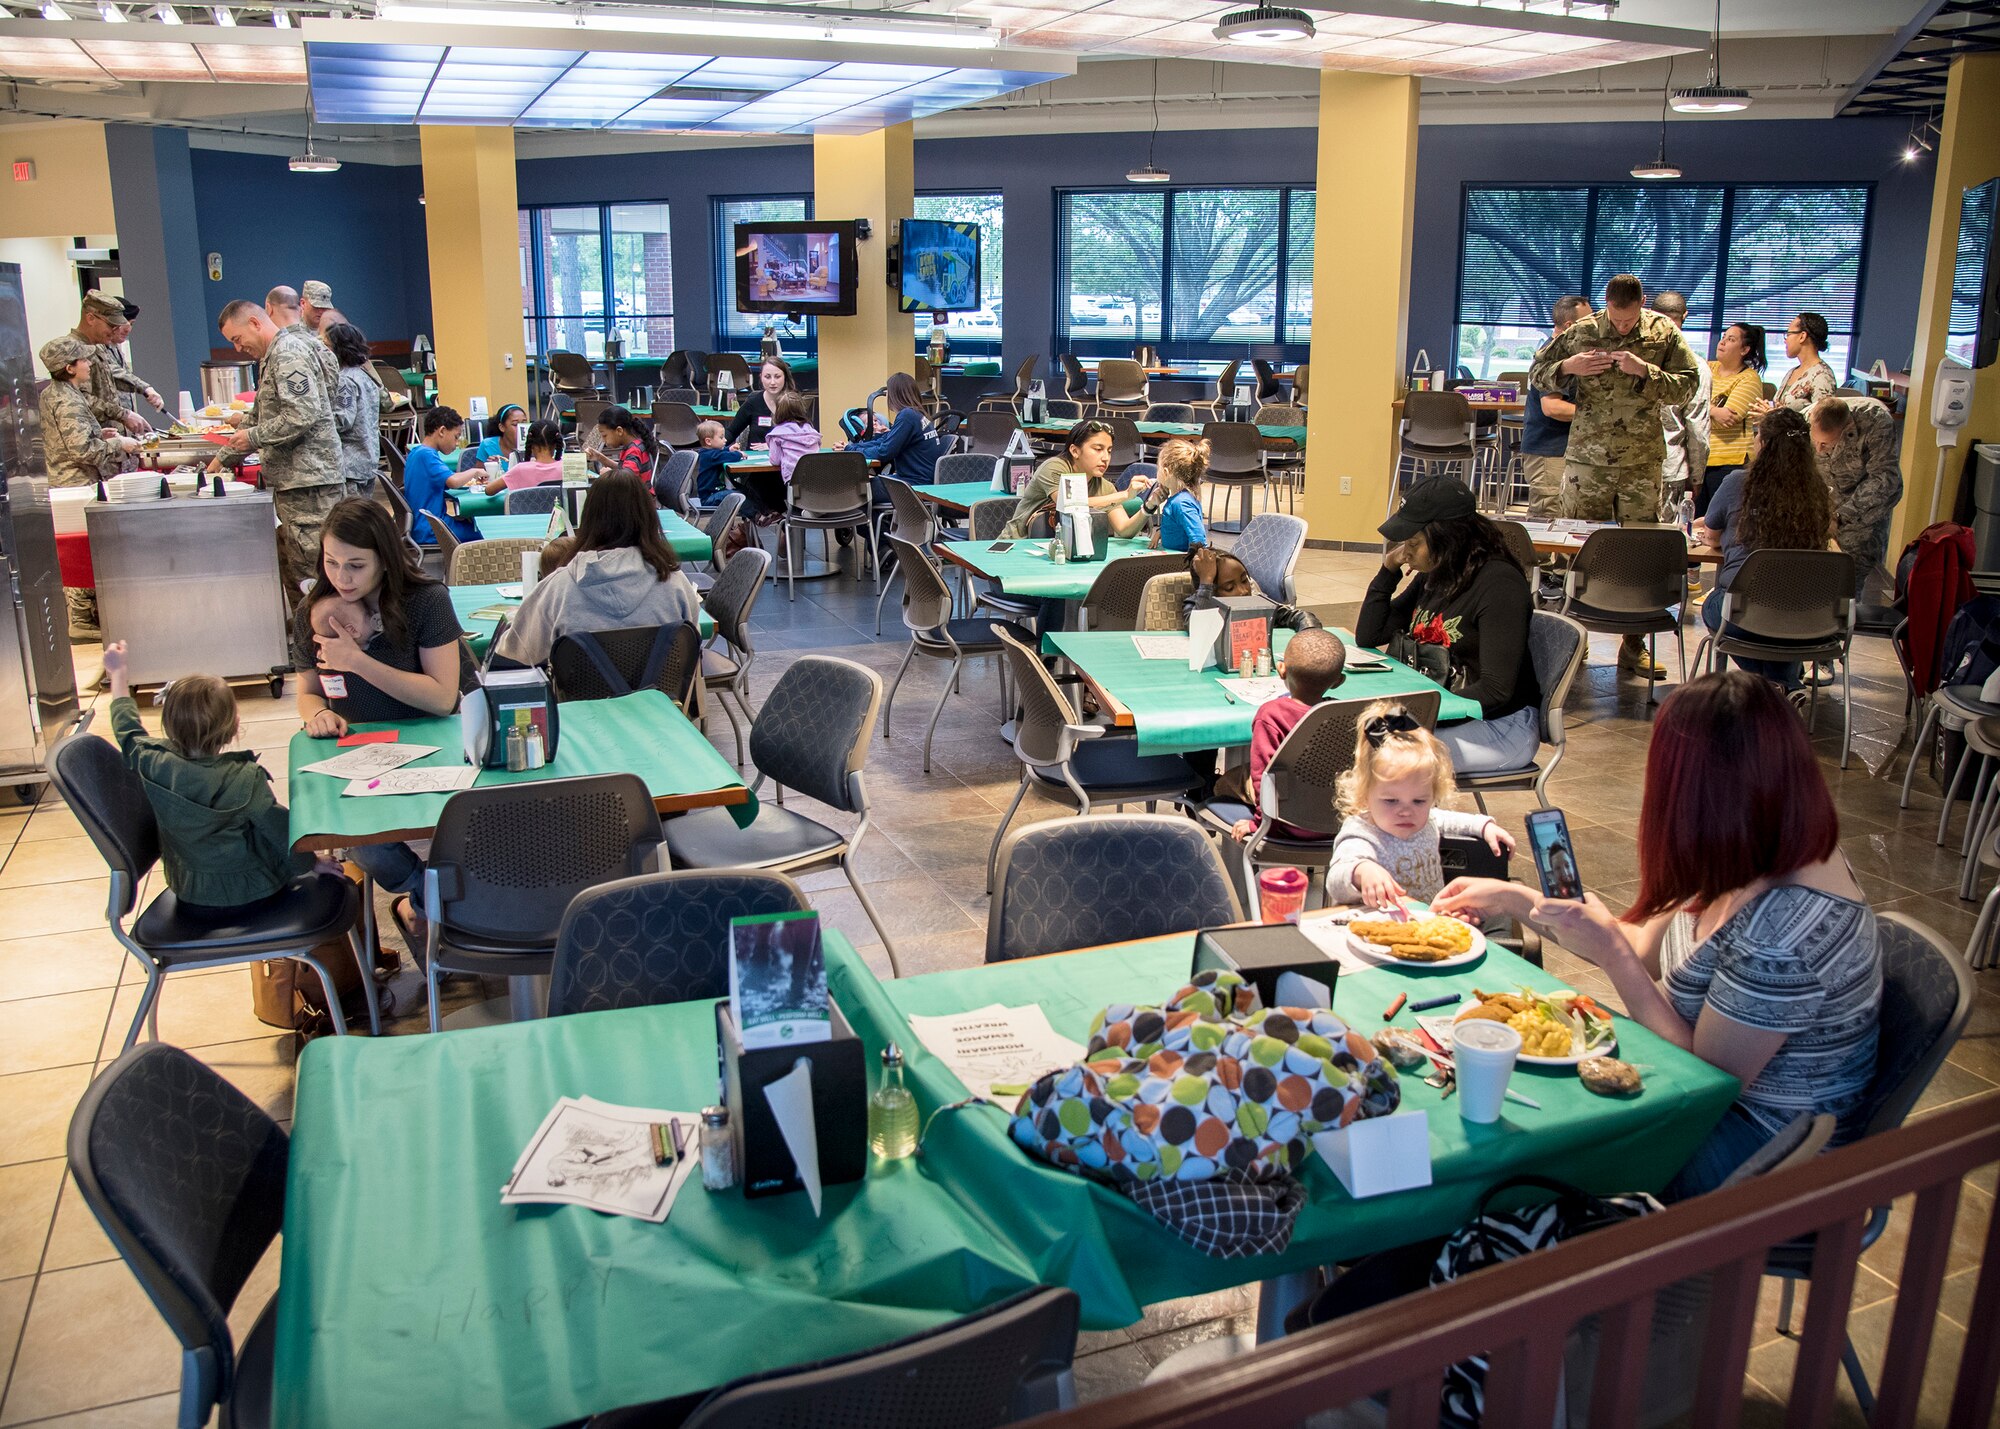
point(412, 1295)
point(959, 497)
point(1024, 568)
point(1173, 710)
point(689, 542)
point(1276, 437)
point(480, 609)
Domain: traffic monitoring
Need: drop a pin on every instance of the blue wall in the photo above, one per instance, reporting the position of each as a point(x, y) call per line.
point(361, 230)
point(159, 253)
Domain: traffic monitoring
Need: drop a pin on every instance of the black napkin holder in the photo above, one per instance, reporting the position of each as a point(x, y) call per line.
point(1262, 952)
point(764, 1165)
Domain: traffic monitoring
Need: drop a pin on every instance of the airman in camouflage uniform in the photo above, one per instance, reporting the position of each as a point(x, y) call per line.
point(292, 427)
point(1856, 441)
point(1628, 363)
point(102, 316)
point(75, 447)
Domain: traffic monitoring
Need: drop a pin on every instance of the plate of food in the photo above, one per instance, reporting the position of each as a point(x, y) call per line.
point(1558, 1029)
point(1427, 939)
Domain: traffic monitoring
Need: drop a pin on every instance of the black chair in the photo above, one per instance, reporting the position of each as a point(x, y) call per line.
point(507, 860)
point(1126, 445)
point(604, 664)
point(171, 936)
point(1169, 412)
point(674, 423)
point(1112, 603)
point(988, 433)
point(1000, 1365)
point(571, 376)
point(812, 735)
point(186, 1175)
point(1076, 384)
point(934, 634)
point(1235, 462)
point(728, 603)
point(1072, 883)
point(1631, 580)
point(830, 491)
point(1012, 397)
point(657, 938)
point(533, 500)
point(1927, 997)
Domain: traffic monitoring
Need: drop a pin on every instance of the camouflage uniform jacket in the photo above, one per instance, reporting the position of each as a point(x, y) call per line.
point(327, 361)
point(1863, 472)
point(1618, 416)
point(123, 378)
point(292, 423)
point(73, 440)
point(103, 391)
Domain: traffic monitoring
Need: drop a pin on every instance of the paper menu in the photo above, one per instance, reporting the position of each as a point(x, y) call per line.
point(1257, 690)
point(600, 1156)
point(996, 1045)
point(1161, 647)
point(365, 761)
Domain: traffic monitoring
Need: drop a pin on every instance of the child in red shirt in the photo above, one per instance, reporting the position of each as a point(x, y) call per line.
point(1313, 663)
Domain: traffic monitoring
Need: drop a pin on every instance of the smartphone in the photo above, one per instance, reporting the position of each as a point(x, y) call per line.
point(1555, 854)
point(1000, 548)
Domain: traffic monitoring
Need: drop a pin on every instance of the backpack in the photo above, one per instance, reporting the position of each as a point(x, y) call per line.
point(1933, 579)
point(1972, 643)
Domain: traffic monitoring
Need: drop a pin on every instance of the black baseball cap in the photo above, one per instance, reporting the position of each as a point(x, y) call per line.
point(1438, 499)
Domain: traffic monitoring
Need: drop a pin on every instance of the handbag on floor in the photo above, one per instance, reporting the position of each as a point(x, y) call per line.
point(286, 993)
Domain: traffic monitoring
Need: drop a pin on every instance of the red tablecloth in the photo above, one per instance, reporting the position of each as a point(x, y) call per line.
point(73, 554)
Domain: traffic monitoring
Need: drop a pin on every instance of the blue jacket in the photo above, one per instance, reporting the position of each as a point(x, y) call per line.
point(910, 448)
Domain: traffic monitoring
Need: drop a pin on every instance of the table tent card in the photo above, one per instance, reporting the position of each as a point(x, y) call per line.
point(777, 979)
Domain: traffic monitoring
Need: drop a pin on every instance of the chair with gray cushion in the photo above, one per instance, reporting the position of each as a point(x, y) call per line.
point(1112, 603)
point(1065, 884)
point(1927, 997)
point(1169, 412)
point(988, 433)
point(605, 664)
point(828, 492)
point(934, 634)
point(1121, 386)
point(1163, 602)
point(1796, 607)
point(673, 481)
point(490, 562)
point(533, 500)
point(1235, 463)
point(729, 603)
point(587, 413)
point(659, 937)
point(812, 735)
point(171, 936)
point(1001, 1365)
point(1630, 580)
point(962, 467)
point(674, 423)
point(1090, 765)
point(1269, 549)
point(1437, 430)
point(506, 860)
point(186, 1175)
point(715, 525)
point(1556, 647)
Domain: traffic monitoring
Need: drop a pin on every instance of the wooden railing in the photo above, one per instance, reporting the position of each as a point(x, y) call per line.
point(1520, 1314)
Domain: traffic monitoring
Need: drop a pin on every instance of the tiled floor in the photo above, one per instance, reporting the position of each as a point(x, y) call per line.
point(80, 1345)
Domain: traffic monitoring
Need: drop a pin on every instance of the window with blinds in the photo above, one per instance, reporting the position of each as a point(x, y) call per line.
point(1196, 272)
point(1738, 253)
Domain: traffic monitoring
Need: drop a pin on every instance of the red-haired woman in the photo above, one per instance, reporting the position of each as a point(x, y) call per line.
point(1749, 943)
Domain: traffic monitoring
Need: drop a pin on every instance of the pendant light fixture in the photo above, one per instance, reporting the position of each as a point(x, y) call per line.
point(1659, 168)
point(310, 162)
point(1265, 25)
point(1714, 97)
point(1150, 174)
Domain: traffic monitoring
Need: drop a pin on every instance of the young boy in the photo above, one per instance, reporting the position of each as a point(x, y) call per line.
point(1314, 662)
point(426, 475)
point(714, 455)
point(224, 840)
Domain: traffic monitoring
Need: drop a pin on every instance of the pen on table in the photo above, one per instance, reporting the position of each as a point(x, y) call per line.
point(1395, 1007)
point(1225, 692)
point(1430, 1003)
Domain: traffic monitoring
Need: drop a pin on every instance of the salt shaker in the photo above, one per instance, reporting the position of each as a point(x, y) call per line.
point(718, 1149)
point(1263, 661)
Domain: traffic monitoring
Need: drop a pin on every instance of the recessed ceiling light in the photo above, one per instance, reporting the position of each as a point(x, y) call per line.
point(166, 15)
point(53, 11)
point(222, 15)
point(1265, 25)
point(281, 20)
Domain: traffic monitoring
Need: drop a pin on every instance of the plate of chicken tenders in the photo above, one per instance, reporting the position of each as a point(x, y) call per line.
point(1422, 939)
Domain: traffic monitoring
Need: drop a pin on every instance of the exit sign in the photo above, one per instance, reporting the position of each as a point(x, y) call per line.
point(24, 171)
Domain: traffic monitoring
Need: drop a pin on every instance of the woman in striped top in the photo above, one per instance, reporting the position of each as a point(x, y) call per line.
point(1761, 941)
point(1738, 385)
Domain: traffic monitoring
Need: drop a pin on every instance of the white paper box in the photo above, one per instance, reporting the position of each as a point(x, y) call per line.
point(1378, 1154)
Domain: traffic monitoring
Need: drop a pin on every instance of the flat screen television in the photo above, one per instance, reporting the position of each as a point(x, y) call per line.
point(1973, 332)
point(797, 267)
point(940, 267)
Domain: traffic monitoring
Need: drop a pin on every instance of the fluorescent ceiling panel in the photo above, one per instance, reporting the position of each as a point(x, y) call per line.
point(123, 59)
point(37, 58)
point(254, 64)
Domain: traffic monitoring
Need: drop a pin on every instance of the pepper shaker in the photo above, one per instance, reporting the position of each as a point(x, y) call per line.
point(718, 1150)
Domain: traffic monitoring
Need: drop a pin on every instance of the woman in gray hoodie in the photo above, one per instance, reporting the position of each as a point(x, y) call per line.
point(624, 575)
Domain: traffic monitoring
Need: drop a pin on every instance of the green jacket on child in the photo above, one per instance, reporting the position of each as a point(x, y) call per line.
point(224, 839)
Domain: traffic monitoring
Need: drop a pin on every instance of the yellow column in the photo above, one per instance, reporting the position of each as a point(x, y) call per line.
point(869, 176)
point(1361, 273)
point(1968, 153)
point(472, 220)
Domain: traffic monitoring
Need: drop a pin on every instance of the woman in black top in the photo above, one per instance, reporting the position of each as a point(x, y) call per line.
point(413, 663)
point(755, 415)
point(1462, 620)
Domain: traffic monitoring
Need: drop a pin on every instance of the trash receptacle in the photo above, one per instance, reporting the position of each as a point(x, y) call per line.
point(1985, 475)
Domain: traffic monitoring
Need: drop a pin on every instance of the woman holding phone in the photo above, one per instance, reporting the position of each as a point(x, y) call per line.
point(1749, 942)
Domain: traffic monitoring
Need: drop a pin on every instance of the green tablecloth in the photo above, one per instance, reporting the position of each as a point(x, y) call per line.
point(413, 1297)
point(1296, 436)
point(689, 543)
point(640, 734)
point(1175, 709)
point(1118, 1259)
point(479, 633)
point(960, 495)
point(1026, 571)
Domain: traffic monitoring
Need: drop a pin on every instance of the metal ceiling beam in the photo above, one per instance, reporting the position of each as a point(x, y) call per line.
point(1891, 51)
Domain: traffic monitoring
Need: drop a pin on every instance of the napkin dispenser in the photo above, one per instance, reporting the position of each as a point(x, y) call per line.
point(1070, 526)
point(1263, 953)
point(1247, 623)
point(764, 1165)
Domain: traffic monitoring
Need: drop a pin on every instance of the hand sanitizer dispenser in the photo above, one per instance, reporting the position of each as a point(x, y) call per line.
point(1951, 409)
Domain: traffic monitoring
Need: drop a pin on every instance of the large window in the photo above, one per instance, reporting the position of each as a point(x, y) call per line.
point(597, 271)
point(1195, 272)
point(1744, 253)
point(745, 331)
point(970, 332)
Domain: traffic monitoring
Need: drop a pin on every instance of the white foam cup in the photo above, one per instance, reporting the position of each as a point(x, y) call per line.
point(1485, 1051)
